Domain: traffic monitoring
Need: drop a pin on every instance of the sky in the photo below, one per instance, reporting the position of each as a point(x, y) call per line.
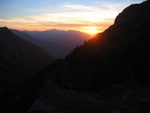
point(89, 16)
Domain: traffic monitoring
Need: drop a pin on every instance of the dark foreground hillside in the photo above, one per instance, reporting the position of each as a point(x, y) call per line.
point(108, 74)
point(19, 60)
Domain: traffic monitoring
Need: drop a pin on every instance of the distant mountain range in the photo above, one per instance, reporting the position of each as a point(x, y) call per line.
point(57, 43)
point(107, 74)
point(19, 60)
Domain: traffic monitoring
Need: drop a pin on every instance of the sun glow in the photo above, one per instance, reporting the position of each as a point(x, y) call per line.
point(92, 30)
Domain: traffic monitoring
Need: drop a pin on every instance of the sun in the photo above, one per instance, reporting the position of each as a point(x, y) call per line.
point(92, 30)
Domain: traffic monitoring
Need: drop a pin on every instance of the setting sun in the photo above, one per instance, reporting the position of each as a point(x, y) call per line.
point(92, 30)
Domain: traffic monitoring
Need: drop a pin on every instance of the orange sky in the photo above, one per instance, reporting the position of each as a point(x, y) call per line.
point(86, 16)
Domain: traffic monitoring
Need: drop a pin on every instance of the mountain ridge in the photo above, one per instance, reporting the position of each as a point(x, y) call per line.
point(19, 59)
point(130, 12)
point(57, 43)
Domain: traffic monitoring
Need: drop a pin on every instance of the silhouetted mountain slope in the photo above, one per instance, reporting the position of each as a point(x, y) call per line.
point(57, 42)
point(108, 74)
point(120, 52)
point(132, 12)
point(19, 60)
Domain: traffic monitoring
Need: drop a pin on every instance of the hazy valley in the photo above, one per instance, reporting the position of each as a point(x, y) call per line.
point(57, 43)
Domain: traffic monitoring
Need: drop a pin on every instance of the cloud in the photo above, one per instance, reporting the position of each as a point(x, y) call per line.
point(14, 20)
point(76, 14)
point(78, 7)
point(75, 25)
point(115, 7)
point(69, 16)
